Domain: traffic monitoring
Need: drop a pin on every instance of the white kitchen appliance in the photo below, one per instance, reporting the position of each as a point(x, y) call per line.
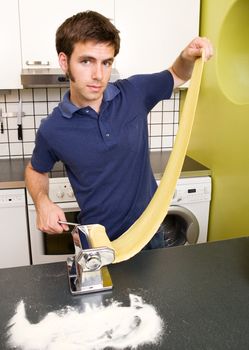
point(188, 214)
point(14, 242)
point(47, 248)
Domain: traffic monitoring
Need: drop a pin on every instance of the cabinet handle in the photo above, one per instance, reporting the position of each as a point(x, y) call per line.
point(37, 63)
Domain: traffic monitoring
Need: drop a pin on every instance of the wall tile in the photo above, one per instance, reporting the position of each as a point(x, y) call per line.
point(155, 143)
point(4, 150)
point(29, 135)
point(168, 129)
point(156, 117)
point(168, 117)
point(13, 96)
point(158, 107)
point(38, 119)
point(16, 149)
point(167, 142)
point(28, 108)
point(40, 94)
point(12, 122)
point(168, 105)
point(28, 148)
point(26, 95)
point(28, 122)
point(4, 137)
point(13, 137)
point(38, 103)
point(155, 129)
point(12, 107)
point(54, 94)
point(175, 128)
point(51, 106)
point(41, 108)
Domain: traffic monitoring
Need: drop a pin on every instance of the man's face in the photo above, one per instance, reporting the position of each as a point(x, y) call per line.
point(89, 70)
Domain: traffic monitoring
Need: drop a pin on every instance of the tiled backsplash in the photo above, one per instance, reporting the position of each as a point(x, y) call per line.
point(38, 103)
point(163, 123)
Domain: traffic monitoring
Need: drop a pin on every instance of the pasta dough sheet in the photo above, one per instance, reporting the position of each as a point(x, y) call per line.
point(142, 231)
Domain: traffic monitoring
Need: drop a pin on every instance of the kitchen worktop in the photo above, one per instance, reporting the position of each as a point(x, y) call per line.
point(200, 291)
point(191, 167)
point(12, 170)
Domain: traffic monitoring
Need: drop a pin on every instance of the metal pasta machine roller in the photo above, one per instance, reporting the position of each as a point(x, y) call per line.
point(87, 270)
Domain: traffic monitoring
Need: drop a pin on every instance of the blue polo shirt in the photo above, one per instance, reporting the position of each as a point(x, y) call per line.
point(106, 154)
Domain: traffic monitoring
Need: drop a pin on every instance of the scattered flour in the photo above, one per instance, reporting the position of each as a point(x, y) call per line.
point(96, 328)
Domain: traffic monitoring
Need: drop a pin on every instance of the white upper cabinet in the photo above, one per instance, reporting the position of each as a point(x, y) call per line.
point(39, 21)
point(10, 58)
point(153, 33)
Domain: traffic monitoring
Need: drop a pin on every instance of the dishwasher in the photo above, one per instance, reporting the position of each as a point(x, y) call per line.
point(14, 240)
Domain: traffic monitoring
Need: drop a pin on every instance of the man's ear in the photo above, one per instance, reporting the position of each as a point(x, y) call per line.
point(63, 62)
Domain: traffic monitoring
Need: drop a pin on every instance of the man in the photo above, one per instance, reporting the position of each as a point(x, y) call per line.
point(99, 130)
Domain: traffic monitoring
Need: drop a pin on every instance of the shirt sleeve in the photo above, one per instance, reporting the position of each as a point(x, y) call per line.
point(153, 87)
point(43, 159)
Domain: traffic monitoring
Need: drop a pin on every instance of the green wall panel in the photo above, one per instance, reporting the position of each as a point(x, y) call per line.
point(220, 137)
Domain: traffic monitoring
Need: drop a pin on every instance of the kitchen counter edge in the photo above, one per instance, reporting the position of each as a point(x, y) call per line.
point(12, 170)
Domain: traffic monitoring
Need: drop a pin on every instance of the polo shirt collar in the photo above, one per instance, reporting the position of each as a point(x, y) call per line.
point(67, 108)
point(110, 92)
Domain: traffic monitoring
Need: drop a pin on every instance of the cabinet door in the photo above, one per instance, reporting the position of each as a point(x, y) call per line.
point(10, 58)
point(39, 21)
point(153, 33)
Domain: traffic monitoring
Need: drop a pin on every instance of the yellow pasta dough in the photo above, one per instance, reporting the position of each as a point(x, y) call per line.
point(142, 231)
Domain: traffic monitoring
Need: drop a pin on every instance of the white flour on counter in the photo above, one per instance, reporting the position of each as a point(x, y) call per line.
point(96, 328)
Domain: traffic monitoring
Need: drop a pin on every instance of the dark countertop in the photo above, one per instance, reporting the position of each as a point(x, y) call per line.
point(12, 170)
point(191, 167)
point(200, 291)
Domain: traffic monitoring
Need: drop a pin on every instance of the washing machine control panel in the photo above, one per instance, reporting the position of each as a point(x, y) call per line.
point(192, 190)
point(191, 195)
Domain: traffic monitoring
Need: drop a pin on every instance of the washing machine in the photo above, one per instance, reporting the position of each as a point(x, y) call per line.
point(187, 219)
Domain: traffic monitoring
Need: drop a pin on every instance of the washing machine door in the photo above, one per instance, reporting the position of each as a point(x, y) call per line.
point(180, 227)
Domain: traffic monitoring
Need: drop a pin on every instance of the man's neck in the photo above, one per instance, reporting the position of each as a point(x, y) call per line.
point(94, 104)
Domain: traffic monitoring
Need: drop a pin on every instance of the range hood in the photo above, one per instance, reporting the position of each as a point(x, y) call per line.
point(50, 77)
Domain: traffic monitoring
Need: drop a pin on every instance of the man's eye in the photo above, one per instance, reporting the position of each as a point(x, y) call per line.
point(107, 63)
point(86, 62)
